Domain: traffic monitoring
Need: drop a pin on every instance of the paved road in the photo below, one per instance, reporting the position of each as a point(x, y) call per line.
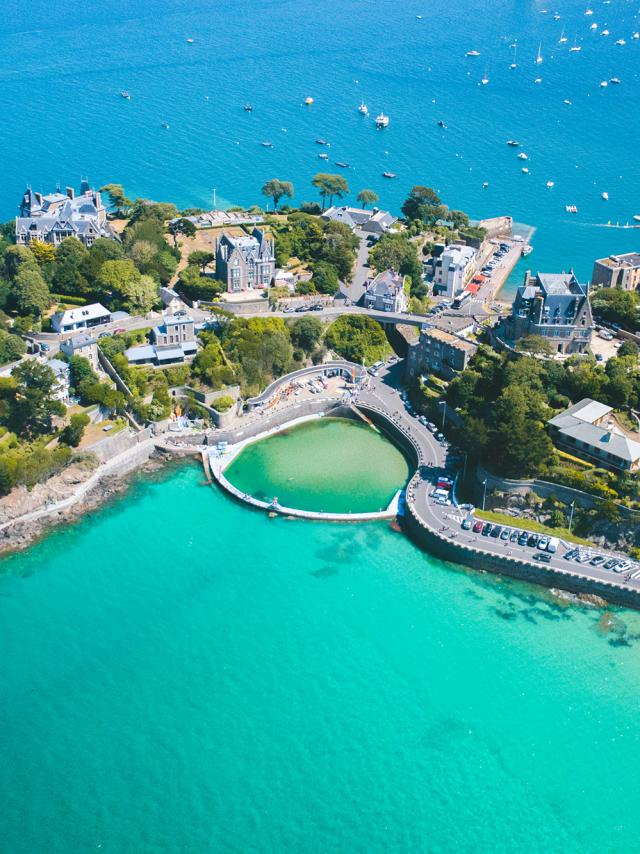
point(384, 391)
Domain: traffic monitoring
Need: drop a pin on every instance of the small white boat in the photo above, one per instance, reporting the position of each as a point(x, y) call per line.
point(571, 209)
point(567, 101)
point(485, 184)
point(523, 156)
point(472, 53)
point(550, 185)
point(484, 81)
point(363, 109)
point(604, 84)
point(605, 33)
point(190, 41)
point(563, 39)
point(593, 27)
point(323, 156)
point(527, 249)
point(525, 170)
point(636, 36)
point(589, 12)
point(615, 80)
point(556, 17)
point(513, 142)
point(575, 47)
point(538, 80)
point(620, 41)
point(636, 217)
point(539, 55)
point(605, 196)
point(382, 121)
point(515, 56)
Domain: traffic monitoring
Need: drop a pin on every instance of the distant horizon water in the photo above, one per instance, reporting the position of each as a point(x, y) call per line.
point(68, 119)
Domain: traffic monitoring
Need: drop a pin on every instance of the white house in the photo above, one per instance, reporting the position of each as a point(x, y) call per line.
point(82, 317)
point(454, 269)
point(82, 345)
point(387, 292)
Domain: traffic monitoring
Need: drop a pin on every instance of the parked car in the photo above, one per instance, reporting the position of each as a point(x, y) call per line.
point(477, 528)
point(440, 437)
point(486, 528)
point(571, 554)
point(623, 566)
point(533, 540)
point(317, 307)
point(598, 560)
point(466, 524)
point(505, 534)
point(611, 563)
point(523, 539)
point(496, 531)
point(431, 426)
point(514, 536)
point(301, 308)
point(44, 347)
point(583, 557)
point(544, 557)
point(543, 542)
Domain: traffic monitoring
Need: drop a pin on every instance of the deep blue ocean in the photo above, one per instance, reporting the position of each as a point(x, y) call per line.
point(62, 67)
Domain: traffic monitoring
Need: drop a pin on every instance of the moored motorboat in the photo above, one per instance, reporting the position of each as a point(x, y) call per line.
point(382, 121)
point(473, 53)
point(605, 196)
point(266, 144)
point(248, 108)
point(615, 80)
point(363, 109)
point(323, 156)
point(389, 175)
point(342, 164)
point(513, 143)
point(125, 95)
point(523, 156)
point(550, 184)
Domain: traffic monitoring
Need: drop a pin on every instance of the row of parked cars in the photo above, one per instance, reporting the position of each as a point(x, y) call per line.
point(500, 252)
point(546, 545)
point(421, 418)
point(612, 563)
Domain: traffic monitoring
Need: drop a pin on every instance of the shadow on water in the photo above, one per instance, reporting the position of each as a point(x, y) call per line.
point(325, 572)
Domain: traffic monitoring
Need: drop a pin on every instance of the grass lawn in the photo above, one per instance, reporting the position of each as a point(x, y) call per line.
point(530, 525)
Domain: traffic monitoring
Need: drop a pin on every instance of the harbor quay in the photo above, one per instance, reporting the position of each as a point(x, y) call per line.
point(433, 525)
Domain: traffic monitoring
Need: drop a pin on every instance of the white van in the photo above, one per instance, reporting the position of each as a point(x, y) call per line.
point(552, 545)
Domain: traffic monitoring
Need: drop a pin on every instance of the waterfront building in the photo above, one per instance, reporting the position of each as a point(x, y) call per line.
point(83, 317)
point(375, 221)
point(82, 345)
point(387, 292)
point(589, 430)
point(555, 306)
point(618, 271)
point(454, 269)
point(245, 263)
point(53, 217)
point(439, 352)
point(172, 342)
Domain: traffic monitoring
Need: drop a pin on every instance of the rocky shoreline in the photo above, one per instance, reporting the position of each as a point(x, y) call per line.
point(19, 533)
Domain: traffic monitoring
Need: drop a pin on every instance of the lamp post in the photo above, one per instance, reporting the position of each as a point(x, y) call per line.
point(444, 412)
point(214, 198)
point(484, 493)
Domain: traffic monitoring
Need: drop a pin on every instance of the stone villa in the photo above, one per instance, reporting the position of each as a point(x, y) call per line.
point(245, 263)
point(56, 216)
point(555, 306)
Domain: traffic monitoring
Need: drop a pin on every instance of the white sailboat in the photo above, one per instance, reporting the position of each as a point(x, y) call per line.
point(485, 79)
point(363, 109)
point(575, 48)
point(539, 56)
point(563, 39)
point(515, 56)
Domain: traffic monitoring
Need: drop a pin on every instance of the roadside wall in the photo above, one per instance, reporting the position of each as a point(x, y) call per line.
point(111, 446)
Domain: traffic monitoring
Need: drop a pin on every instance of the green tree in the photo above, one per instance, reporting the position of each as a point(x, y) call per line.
point(201, 258)
point(44, 253)
point(132, 290)
point(30, 292)
point(537, 344)
point(69, 274)
point(16, 258)
point(11, 347)
point(277, 189)
point(306, 333)
point(181, 226)
point(357, 338)
point(628, 348)
point(74, 431)
point(117, 198)
point(325, 278)
point(34, 405)
point(422, 204)
point(102, 250)
point(330, 186)
point(367, 197)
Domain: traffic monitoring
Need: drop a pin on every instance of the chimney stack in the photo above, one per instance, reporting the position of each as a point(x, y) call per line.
point(70, 192)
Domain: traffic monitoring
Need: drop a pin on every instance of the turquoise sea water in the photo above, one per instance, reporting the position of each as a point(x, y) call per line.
point(62, 67)
point(181, 674)
point(334, 465)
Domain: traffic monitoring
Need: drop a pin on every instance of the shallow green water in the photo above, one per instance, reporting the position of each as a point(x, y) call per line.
point(182, 674)
point(332, 465)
